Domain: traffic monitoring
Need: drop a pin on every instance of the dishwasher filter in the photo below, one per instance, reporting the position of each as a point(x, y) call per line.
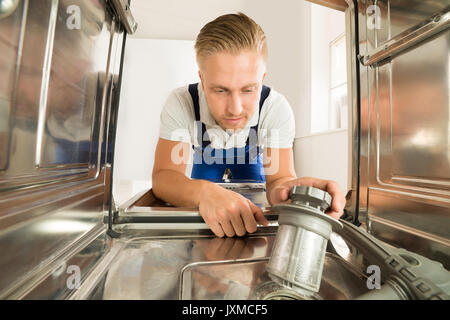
point(304, 230)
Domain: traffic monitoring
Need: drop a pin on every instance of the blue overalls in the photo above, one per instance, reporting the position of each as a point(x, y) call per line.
point(245, 163)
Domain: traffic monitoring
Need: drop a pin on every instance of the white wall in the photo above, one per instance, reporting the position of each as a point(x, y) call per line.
point(152, 69)
point(326, 26)
point(323, 155)
point(180, 19)
point(287, 24)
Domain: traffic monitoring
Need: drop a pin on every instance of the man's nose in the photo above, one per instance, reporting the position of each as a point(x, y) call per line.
point(235, 104)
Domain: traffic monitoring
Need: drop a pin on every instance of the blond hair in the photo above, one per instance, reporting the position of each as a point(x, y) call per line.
point(231, 33)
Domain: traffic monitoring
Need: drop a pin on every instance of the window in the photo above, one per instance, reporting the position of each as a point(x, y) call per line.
point(338, 106)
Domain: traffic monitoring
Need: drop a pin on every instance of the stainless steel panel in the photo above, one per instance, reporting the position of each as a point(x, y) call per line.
point(35, 251)
point(414, 125)
point(408, 38)
point(54, 188)
point(426, 244)
point(386, 19)
point(58, 95)
point(11, 43)
point(59, 281)
point(405, 125)
point(77, 66)
point(366, 44)
point(405, 14)
point(410, 166)
point(408, 222)
point(27, 90)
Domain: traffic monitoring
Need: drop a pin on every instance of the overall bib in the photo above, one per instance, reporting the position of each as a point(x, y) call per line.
point(241, 164)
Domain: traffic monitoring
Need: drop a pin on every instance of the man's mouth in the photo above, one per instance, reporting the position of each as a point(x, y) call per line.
point(233, 121)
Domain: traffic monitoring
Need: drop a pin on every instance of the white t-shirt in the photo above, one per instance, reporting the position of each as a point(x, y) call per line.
point(276, 127)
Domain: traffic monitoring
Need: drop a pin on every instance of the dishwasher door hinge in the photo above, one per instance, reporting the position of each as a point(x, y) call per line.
point(122, 11)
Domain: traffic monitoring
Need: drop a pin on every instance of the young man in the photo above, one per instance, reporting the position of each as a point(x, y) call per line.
point(238, 128)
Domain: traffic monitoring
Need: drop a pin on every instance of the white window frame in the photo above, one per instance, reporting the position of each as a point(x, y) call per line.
point(333, 44)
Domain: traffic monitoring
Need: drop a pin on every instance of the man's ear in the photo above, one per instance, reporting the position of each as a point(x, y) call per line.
point(264, 75)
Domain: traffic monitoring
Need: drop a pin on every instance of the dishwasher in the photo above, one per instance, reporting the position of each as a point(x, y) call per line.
point(63, 236)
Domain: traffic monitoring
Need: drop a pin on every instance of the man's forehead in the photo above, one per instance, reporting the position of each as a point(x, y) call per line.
point(233, 71)
point(225, 61)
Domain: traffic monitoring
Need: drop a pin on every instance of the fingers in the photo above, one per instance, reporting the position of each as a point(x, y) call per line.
point(249, 214)
point(213, 225)
point(237, 214)
point(338, 203)
point(227, 228)
point(220, 223)
point(248, 217)
point(334, 214)
point(237, 220)
point(233, 216)
point(216, 228)
point(258, 214)
point(338, 200)
point(280, 193)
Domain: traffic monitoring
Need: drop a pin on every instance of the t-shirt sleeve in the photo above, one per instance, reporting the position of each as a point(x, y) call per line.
point(174, 119)
point(280, 128)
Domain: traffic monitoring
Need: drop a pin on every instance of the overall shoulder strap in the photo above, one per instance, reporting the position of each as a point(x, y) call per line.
point(264, 94)
point(194, 95)
point(201, 128)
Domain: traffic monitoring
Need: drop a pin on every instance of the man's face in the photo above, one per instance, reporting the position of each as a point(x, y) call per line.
point(232, 85)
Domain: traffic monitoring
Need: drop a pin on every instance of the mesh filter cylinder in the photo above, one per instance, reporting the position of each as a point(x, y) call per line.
point(299, 251)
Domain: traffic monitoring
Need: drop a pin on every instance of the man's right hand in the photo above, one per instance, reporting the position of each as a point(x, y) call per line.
point(228, 213)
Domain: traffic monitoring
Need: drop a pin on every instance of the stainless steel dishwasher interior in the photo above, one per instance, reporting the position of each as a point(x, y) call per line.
point(203, 267)
point(173, 260)
point(57, 210)
point(169, 253)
